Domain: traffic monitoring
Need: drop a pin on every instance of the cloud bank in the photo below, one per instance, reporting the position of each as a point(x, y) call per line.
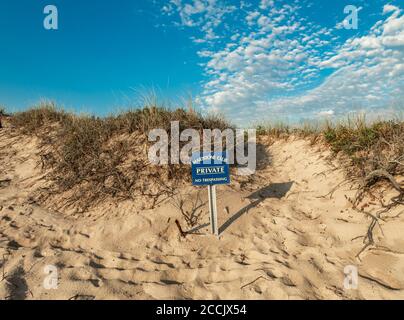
point(268, 60)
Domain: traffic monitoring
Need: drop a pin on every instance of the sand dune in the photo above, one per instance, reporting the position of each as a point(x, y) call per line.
point(284, 235)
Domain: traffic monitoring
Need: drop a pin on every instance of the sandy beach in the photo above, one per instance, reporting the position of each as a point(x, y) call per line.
point(287, 233)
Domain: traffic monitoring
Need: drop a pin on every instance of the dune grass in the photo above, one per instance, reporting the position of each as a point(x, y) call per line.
point(95, 157)
point(349, 136)
point(376, 147)
point(141, 120)
point(369, 151)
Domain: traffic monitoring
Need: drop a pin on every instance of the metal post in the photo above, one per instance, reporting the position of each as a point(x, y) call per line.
point(213, 209)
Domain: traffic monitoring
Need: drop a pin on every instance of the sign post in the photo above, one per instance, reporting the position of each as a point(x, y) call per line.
point(210, 169)
point(213, 209)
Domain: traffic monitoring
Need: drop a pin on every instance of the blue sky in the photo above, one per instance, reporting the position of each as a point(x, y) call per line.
point(251, 60)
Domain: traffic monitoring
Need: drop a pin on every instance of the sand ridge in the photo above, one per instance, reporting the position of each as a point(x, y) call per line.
point(287, 235)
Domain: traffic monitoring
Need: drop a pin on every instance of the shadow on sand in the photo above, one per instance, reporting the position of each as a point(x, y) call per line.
point(274, 190)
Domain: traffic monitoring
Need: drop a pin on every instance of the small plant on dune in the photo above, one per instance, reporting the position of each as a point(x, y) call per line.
point(189, 208)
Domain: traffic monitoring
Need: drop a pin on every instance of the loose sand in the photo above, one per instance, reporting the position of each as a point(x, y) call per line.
point(285, 235)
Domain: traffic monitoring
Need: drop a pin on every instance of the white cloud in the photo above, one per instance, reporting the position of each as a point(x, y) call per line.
point(369, 73)
point(389, 8)
point(265, 4)
point(204, 14)
point(274, 61)
point(326, 113)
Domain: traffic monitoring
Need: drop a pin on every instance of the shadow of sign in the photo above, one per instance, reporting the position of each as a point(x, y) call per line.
point(275, 190)
point(197, 228)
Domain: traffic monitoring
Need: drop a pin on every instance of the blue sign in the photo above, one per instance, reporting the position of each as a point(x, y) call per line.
point(210, 168)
